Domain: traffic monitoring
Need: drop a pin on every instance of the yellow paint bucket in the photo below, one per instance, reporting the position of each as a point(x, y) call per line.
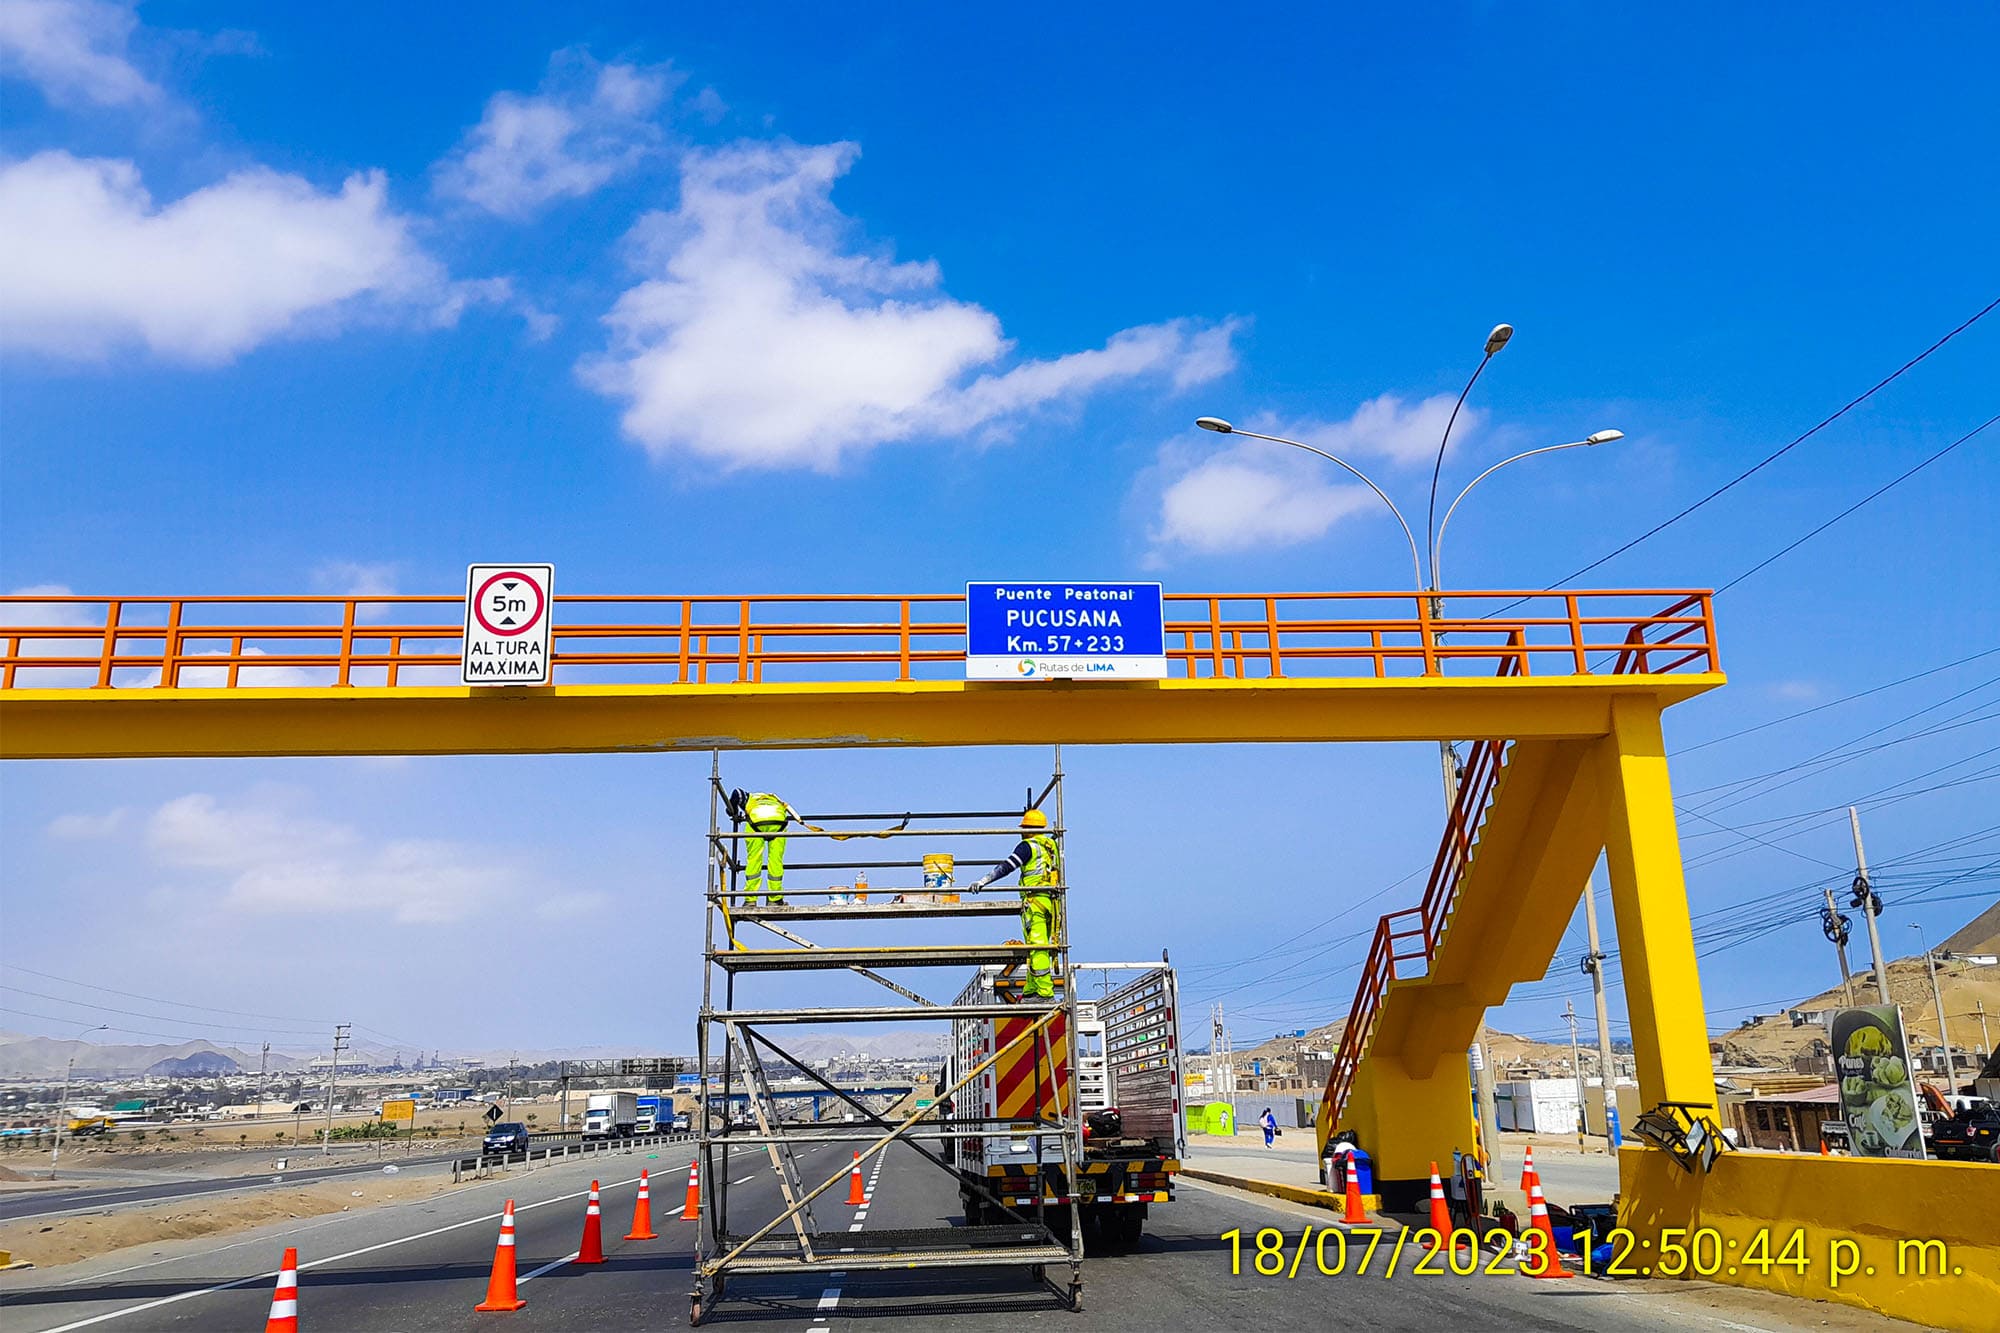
point(937, 870)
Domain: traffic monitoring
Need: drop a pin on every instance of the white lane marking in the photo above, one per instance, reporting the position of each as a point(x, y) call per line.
point(855, 1227)
point(271, 1276)
point(829, 1298)
point(547, 1268)
point(745, 1181)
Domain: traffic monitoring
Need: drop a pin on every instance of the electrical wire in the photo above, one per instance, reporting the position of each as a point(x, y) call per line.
point(1776, 454)
point(1877, 492)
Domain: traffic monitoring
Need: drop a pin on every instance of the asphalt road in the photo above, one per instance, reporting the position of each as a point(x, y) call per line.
point(423, 1265)
point(361, 1161)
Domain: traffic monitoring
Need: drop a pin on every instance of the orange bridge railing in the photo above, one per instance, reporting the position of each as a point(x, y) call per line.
point(64, 641)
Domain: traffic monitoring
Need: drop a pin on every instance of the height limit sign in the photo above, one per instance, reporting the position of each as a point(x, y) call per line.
point(507, 624)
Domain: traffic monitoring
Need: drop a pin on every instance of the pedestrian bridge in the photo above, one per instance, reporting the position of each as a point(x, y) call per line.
point(116, 677)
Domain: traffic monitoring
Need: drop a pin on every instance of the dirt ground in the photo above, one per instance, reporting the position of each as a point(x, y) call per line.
point(48, 1242)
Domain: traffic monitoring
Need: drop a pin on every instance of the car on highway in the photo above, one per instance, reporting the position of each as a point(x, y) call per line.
point(683, 1121)
point(506, 1137)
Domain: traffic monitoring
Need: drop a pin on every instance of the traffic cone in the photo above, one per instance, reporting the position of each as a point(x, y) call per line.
point(642, 1212)
point(1538, 1218)
point(1440, 1210)
point(592, 1249)
point(285, 1299)
point(1354, 1211)
point(693, 1209)
point(854, 1195)
point(1822, 1147)
point(1528, 1176)
point(500, 1294)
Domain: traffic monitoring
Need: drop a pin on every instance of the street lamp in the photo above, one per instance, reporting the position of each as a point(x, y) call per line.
point(1437, 541)
point(62, 1106)
point(1494, 342)
point(1944, 1037)
point(1221, 427)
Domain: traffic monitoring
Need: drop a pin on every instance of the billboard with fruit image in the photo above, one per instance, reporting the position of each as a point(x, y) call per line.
point(1877, 1098)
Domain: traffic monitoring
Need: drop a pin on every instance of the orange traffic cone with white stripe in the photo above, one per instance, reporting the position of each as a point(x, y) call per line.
point(1354, 1211)
point(500, 1293)
point(855, 1196)
point(592, 1249)
point(1538, 1218)
point(1528, 1176)
point(1440, 1210)
point(693, 1208)
point(642, 1212)
point(285, 1299)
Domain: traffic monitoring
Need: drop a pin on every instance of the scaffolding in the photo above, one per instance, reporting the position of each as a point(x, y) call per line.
point(731, 1042)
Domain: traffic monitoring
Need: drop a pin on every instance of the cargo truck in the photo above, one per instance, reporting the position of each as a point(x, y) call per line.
point(1122, 1071)
point(656, 1112)
point(610, 1115)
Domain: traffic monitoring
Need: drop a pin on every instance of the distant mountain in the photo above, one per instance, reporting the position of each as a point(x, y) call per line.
point(23, 1056)
point(202, 1064)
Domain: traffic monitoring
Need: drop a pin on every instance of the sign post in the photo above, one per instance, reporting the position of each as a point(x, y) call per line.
point(1047, 631)
point(507, 624)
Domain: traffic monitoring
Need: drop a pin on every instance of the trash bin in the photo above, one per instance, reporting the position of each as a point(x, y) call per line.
point(1364, 1171)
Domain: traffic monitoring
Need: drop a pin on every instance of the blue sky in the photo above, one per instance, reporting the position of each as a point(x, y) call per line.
point(750, 301)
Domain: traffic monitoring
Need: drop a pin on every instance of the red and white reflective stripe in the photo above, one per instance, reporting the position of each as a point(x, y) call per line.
point(507, 1224)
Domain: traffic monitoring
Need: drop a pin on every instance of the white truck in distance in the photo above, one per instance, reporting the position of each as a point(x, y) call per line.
point(610, 1115)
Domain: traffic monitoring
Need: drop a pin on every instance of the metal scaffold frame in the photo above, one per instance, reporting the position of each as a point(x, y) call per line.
point(731, 1043)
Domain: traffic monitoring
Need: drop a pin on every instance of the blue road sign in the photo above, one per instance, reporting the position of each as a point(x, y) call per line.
point(1046, 631)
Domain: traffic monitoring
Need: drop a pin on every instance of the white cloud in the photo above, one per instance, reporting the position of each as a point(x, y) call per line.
point(53, 614)
point(761, 338)
point(1230, 505)
point(87, 827)
point(588, 124)
point(75, 51)
point(273, 861)
point(357, 578)
point(1242, 494)
point(90, 263)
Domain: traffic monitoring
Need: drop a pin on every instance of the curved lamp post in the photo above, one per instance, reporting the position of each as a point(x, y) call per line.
point(62, 1106)
point(1221, 427)
point(1437, 541)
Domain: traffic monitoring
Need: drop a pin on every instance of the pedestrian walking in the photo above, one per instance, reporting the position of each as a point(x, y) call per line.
point(1270, 1124)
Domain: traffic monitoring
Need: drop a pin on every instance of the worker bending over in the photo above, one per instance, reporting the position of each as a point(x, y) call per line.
point(768, 817)
point(1039, 859)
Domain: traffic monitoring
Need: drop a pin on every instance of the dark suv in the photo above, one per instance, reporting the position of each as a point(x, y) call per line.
point(507, 1137)
point(1972, 1134)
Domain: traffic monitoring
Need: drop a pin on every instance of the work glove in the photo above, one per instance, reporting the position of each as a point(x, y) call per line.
point(979, 884)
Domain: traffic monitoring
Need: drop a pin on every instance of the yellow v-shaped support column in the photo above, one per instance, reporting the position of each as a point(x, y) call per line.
point(1649, 898)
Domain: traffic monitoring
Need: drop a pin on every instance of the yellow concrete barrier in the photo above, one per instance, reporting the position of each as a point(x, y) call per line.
point(1917, 1240)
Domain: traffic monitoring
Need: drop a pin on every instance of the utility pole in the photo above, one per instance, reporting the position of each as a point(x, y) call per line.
point(1834, 926)
point(1870, 905)
point(263, 1063)
point(1576, 1068)
point(1607, 1071)
point(1944, 1037)
point(332, 1083)
point(1985, 1041)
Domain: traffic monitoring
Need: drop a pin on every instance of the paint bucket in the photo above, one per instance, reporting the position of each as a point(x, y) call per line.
point(937, 870)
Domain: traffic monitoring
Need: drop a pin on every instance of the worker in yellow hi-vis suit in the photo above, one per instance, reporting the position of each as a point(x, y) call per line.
point(1039, 859)
point(764, 852)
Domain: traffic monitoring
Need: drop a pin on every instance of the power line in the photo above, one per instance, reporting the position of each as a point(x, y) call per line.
point(134, 1013)
point(1832, 703)
point(1878, 491)
point(1775, 455)
point(155, 999)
